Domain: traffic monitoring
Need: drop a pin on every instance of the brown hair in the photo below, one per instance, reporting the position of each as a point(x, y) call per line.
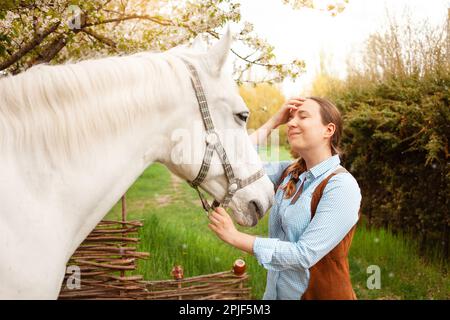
point(329, 114)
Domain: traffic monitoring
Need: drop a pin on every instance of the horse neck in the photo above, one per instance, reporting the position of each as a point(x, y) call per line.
point(76, 195)
point(116, 165)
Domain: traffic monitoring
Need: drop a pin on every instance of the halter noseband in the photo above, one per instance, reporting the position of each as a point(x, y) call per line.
point(213, 143)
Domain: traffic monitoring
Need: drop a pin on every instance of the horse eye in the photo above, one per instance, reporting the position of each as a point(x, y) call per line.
point(243, 116)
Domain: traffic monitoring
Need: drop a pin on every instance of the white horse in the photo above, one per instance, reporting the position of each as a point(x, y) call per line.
point(74, 138)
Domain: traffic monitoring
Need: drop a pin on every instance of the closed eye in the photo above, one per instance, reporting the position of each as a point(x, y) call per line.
point(243, 116)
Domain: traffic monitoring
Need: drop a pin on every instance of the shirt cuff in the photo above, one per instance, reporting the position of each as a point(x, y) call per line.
point(263, 249)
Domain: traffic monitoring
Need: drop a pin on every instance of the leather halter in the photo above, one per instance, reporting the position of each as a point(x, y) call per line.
point(213, 143)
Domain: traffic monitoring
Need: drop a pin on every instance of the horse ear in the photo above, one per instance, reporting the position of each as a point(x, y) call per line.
point(218, 54)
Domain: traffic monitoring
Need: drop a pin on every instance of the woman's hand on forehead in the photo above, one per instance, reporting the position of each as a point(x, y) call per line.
point(293, 104)
point(296, 101)
point(286, 111)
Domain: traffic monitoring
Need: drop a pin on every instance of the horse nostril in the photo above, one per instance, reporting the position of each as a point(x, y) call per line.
point(256, 207)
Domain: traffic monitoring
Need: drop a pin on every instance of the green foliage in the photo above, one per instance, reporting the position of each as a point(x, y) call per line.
point(396, 145)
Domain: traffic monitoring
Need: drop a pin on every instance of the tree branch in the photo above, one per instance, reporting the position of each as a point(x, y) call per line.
point(103, 5)
point(36, 41)
point(100, 38)
point(214, 34)
point(255, 82)
point(50, 51)
point(131, 17)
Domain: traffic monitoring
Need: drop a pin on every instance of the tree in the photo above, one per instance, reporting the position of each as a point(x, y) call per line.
point(55, 31)
point(334, 7)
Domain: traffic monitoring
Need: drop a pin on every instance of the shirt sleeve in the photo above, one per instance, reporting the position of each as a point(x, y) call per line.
point(274, 170)
point(337, 213)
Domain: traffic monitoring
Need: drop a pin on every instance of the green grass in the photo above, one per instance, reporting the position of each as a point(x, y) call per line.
point(404, 273)
point(175, 232)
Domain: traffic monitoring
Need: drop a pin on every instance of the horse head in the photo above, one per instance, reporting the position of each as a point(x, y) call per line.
point(229, 115)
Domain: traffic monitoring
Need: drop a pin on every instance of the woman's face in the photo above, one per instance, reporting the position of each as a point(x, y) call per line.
point(306, 130)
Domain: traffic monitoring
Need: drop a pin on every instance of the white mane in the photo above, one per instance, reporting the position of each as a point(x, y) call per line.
point(58, 111)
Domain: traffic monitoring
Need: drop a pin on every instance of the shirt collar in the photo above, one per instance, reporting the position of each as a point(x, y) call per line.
point(325, 165)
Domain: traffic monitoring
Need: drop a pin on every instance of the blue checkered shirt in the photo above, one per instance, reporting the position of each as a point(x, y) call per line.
point(295, 241)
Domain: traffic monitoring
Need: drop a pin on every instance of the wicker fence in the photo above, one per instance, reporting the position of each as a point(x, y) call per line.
point(217, 286)
point(109, 254)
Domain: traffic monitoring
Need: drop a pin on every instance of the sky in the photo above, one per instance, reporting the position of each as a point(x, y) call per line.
point(304, 33)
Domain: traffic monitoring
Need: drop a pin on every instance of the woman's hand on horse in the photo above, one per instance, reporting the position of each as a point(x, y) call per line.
point(291, 105)
point(222, 224)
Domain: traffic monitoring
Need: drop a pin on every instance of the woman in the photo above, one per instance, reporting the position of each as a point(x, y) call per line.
point(315, 209)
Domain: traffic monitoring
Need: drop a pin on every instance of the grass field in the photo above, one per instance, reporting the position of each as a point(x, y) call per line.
point(175, 232)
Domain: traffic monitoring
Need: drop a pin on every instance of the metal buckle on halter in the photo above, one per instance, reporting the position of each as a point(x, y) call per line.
point(212, 138)
point(233, 186)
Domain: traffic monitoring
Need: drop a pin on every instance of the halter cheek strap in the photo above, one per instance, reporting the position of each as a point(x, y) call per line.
point(213, 143)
